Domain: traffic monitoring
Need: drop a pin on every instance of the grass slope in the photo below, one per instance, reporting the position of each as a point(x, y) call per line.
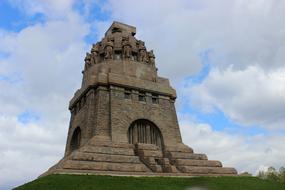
point(92, 182)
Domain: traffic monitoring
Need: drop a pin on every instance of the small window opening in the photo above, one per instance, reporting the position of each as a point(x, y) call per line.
point(114, 30)
point(84, 100)
point(127, 94)
point(79, 105)
point(142, 97)
point(154, 98)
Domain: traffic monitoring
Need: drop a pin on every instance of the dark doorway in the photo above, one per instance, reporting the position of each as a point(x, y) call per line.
point(144, 131)
point(75, 140)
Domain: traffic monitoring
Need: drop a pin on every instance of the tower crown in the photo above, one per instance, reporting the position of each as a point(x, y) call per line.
point(121, 59)
point(119, 43)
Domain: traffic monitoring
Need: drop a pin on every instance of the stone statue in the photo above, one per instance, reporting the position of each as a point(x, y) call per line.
point(87, 61)
point(95, 54)
point(127, 50)
point(109, 50)
point(143, 55)
point(142, 52)
point(151, 58)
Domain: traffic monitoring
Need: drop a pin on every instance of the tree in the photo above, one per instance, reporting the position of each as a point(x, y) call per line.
point(273, 175)
point(262, 174)
point(282, 174)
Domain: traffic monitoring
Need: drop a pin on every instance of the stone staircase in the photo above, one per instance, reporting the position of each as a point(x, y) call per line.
point(101, 157)
point(104, 157)
point(153, 157)
point(186, 161)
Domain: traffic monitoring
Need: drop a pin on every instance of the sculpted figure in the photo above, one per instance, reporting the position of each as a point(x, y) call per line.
point(151, 58)
point(142, 52)
point(87, 61)
point(95, 54)
point(109, 50)
point(127, 50)
point(142, 55)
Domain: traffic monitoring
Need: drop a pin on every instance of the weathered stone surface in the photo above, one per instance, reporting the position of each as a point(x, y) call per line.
point(140, 146)
point(177, 155)
point(108, 150)
point(206, 163)
point(150, 153)
point(179, 148)
point(123, 118)
point(105, 157)
point(206, 170)
point(104, 166)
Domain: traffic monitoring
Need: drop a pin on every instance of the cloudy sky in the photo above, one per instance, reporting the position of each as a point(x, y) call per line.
point(225, 59)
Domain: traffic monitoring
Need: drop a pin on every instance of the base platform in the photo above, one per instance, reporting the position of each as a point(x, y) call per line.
point(107, 158)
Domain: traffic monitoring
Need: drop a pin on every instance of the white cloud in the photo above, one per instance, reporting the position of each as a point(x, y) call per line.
point(238, 33)
point(245, 153)
point(28, 150)
point(250, 97)
point(48, 59)
point(50, 8)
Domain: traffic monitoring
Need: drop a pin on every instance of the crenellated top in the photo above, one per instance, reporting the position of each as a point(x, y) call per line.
point(119, 43)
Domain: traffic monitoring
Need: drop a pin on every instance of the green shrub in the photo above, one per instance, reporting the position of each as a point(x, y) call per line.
point(273, 175)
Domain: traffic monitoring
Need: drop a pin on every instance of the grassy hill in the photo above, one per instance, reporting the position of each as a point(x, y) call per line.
point(92, 182)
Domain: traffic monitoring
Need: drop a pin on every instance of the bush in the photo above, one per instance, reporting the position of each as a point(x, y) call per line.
point(282, 174)
point(273, 175)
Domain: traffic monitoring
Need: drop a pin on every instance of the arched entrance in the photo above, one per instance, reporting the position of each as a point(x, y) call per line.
point(144, 131)
point(75, 140)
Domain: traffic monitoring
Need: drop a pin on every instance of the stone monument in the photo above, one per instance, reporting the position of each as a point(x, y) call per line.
point(123, 118)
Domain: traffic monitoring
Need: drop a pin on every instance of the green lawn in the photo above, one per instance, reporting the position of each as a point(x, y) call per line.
point(90, 182)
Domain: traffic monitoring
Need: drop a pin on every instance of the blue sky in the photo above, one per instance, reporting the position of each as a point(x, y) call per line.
point(225, 60)
point(14, 19)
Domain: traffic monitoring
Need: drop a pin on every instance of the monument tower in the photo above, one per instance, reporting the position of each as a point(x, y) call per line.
point(123, 118)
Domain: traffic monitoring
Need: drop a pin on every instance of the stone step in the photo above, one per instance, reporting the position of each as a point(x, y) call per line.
point(183, 155)
point(179, 148)
point(105, 157)
point(108, 150)
point(206, 170)
point(149, 153)
point(92, 142)
point(123, 145)
point(104, 166)
point(204, 163)
point(142, 146)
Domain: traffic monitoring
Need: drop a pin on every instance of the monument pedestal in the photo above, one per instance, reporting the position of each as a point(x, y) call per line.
point(107, 158)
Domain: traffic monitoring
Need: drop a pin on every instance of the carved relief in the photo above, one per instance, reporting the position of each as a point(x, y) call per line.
point(151, 58)
point(142, 55)
point(120, 47)
point(87, 61)
point(142, 52)
point(108, 50)
point(127, 50)
point(95, 54)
